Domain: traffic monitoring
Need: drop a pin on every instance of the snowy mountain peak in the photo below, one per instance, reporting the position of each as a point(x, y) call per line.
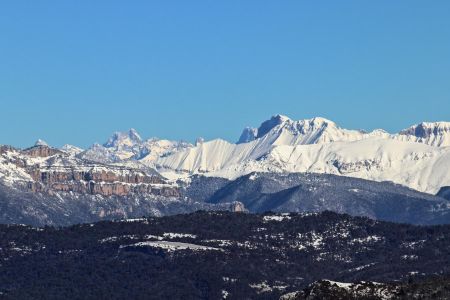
point(133, 134)
point(250, 134)
point(280, 129)
point(40, 142)
point(128, 147)
point(427, 129)
point(129, 138)
point(71, 149)
point(311, 131)
point(434, 134)
point(268, 125)
point(314, 124)
point(282, 118)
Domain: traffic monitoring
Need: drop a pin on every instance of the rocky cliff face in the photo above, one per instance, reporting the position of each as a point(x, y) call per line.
point(41, 151)
point(103, 188)
point(51, 170)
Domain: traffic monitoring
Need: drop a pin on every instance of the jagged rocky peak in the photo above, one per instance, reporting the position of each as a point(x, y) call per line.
point(128, 138)
point(250, 134)
point(128, 145)
point(427, 129)
point(278, 122)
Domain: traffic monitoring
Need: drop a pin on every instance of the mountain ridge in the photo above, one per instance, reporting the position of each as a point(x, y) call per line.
point(319, 145)
point(309, 192)
point(416, 157)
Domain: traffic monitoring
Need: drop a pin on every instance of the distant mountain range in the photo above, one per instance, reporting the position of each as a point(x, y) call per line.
point(283, 165)
point(417, 157)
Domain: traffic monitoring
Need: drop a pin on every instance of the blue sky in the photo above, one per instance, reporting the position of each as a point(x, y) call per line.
point(75, 71)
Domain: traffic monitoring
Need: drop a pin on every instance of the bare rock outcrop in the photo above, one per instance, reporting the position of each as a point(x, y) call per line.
point(41, 151)
point(52, 170)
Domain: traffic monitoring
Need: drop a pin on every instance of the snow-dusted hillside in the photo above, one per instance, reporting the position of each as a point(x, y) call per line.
point(417, 157)
point(210, 255)
point(42, 185)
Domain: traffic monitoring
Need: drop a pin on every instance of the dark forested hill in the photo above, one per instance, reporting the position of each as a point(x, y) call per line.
point(214, 255)
point(431, 288)
point(307, 192)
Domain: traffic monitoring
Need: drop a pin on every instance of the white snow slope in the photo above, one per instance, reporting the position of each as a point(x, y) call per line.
point(418, 157)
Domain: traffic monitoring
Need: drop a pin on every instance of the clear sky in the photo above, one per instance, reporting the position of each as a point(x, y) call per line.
point(75, 71)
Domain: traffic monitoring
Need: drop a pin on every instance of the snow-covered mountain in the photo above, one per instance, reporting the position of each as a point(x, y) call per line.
point(284, 131)
point(417, 157)
point(127, 167)
point(433, 134)
point(125, 146)
point(124, 139)
point(281, 130)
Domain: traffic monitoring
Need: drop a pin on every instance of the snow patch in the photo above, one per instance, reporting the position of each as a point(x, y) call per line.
point(277, 218)
point(172, 235)
point(172, 246)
